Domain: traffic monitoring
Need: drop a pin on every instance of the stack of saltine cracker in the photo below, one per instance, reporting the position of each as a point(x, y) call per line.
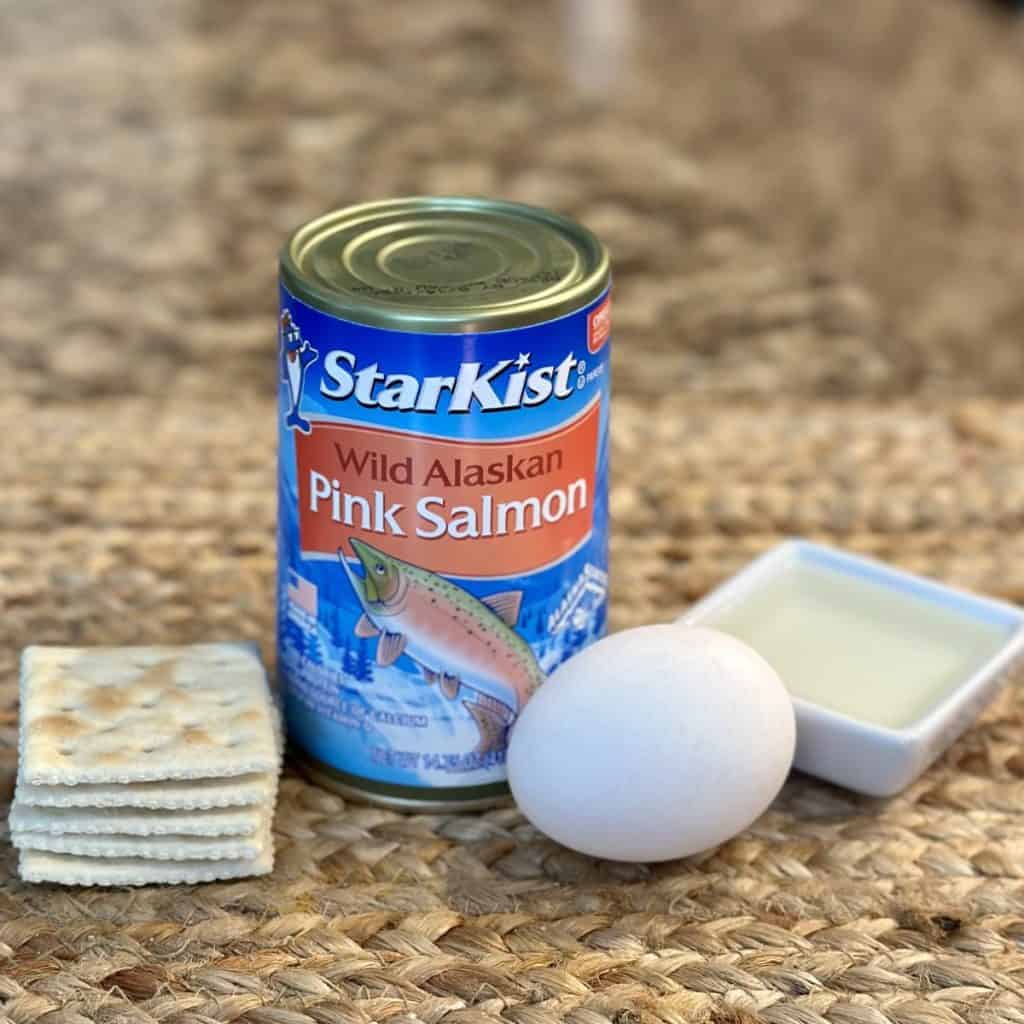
point(141, 765)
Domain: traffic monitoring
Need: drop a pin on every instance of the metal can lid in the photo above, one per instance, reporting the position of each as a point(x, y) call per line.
point(445, 265)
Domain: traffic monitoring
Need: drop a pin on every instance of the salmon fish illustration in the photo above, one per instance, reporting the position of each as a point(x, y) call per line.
point(462, 644)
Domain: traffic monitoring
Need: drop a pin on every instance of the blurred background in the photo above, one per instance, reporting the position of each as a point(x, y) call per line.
point(802, 196)
point(814, 210)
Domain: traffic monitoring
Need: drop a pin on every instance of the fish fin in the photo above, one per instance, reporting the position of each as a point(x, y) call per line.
point(450, 685)
point(505, 605)
point(493, 727)
point(389, 648)
point(365, 628)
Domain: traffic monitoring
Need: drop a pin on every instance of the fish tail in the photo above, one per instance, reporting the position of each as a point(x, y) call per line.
point(299, 422)
point(492, 725)
point(496, 707)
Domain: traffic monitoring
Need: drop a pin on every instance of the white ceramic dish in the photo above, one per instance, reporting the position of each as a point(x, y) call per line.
point(850, 748)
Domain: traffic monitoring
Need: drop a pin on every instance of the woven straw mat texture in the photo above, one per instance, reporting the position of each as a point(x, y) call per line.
point(814, 210)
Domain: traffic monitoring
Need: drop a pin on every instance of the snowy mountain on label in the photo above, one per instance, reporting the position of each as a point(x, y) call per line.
point(587, 594)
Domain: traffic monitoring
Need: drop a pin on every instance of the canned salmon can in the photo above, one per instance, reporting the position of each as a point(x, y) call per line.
point(443, 486)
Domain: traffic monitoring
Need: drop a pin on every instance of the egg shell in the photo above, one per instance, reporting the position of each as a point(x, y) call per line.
point(654, 743)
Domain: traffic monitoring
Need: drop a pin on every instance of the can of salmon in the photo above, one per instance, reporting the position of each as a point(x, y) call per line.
point(443, 475)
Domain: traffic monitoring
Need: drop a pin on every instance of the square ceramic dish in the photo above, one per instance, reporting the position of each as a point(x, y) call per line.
point(886, 668)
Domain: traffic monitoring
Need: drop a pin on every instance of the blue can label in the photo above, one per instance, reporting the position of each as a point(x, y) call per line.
point(442, 534)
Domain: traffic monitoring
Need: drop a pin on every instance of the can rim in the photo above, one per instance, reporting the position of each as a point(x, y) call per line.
point(424, 799)
point(553, 304)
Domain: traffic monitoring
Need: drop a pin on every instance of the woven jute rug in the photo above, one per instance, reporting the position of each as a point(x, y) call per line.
point(134, 522)
point(814, 210)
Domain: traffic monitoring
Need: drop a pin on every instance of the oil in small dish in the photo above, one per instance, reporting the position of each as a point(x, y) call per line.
point(885, 668)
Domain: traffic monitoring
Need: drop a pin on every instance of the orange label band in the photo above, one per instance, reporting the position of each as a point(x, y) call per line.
point(448, 505)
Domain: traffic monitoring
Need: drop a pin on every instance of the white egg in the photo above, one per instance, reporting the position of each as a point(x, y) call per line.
point(653, 743)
